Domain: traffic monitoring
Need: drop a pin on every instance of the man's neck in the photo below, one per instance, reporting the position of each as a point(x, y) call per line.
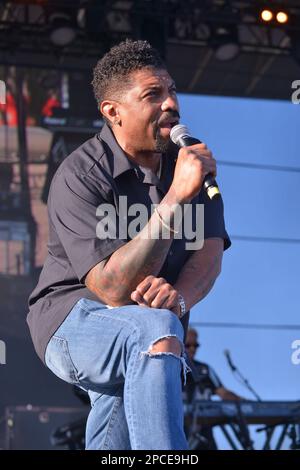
point(151, 161)
point(146, 159)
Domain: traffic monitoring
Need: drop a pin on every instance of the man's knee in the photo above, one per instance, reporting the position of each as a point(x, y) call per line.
point(152, 319)
point(169, 344)
point(160, 331)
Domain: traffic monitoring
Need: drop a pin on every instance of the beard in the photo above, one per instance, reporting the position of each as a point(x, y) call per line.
point(161, 144)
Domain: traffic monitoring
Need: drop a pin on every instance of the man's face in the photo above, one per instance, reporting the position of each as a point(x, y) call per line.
point(191, 344)
point(148, 110)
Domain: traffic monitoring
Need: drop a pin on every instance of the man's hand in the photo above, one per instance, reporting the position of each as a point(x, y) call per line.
point(193, 164)
point(156, 292)
point(226, 394)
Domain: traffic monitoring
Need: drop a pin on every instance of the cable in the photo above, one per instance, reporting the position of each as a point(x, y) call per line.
point(258, 166)
point(248, 326)
point(265, 239)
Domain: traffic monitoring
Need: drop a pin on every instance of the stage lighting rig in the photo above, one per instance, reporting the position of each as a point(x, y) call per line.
point(274, 16)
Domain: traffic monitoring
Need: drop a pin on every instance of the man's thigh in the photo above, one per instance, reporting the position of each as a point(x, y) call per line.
point(92, 346)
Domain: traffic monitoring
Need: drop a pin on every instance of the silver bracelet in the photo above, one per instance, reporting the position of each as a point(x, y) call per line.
point(182, 305)
point(164, 223)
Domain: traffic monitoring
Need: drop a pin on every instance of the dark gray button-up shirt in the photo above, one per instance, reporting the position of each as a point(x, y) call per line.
point(99, 172)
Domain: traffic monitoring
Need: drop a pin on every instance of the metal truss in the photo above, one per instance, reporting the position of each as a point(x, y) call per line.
point(25, 26)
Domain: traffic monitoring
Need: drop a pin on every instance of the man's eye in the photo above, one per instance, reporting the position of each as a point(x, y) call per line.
point(152, 93)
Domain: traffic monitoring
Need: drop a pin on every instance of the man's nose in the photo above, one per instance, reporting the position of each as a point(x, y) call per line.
point(170, 102)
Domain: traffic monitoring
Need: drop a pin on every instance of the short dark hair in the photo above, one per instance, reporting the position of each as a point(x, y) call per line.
point(112, 72)
point(193, 331)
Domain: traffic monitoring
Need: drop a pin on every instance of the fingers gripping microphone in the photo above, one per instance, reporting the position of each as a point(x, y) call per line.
point(228, 357)
point(181, 136)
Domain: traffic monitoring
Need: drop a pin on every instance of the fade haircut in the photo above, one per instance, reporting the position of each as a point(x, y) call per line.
point(112, 73)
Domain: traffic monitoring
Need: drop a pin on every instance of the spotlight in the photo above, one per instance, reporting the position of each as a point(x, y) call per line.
point(282, 17)
point(62, 31)
point(225, 43)
point(266, 15)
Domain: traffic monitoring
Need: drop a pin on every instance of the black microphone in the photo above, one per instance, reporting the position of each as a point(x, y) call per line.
point(228, 357)
point(181, 136)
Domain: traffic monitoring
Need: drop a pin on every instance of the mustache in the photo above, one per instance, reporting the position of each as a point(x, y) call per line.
point(168, 115)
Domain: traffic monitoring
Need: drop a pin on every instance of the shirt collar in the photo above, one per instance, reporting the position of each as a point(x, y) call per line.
point(120, 162)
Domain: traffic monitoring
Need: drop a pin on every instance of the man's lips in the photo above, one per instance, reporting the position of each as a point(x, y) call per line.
point(169, 124)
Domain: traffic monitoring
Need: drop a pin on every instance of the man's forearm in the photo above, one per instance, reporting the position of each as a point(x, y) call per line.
point(227, 394)
point(140, 257)
point(199, 273)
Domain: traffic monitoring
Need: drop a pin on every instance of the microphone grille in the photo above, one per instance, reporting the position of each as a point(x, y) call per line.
point(178, 132)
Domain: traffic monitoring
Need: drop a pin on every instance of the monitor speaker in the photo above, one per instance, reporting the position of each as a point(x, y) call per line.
point(44, 428)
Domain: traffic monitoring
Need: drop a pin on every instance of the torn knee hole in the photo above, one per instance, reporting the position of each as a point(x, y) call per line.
point(169, 344)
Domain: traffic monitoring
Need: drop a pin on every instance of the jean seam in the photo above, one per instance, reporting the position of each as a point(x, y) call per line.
point(111, 422)
point(99, 396)
point(66, 350)
point(130, 378)
point(127, 322)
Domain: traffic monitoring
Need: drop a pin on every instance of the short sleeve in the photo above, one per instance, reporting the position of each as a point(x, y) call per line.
point(214, 223)
point(72, 204)
point(214, 379)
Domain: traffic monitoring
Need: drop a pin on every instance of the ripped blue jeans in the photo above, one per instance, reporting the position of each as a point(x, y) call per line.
point(135, 394)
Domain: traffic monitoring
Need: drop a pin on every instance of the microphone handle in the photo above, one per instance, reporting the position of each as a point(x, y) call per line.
point(209, 182)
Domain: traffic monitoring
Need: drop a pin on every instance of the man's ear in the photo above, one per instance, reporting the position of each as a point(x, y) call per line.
point(109, 109)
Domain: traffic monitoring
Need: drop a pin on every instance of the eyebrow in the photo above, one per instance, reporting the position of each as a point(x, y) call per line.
point(157, 86)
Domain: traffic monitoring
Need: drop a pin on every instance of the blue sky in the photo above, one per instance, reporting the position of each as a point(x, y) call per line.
point(259, 283)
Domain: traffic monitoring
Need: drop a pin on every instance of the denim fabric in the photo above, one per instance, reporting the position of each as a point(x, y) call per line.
point(135, 394)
